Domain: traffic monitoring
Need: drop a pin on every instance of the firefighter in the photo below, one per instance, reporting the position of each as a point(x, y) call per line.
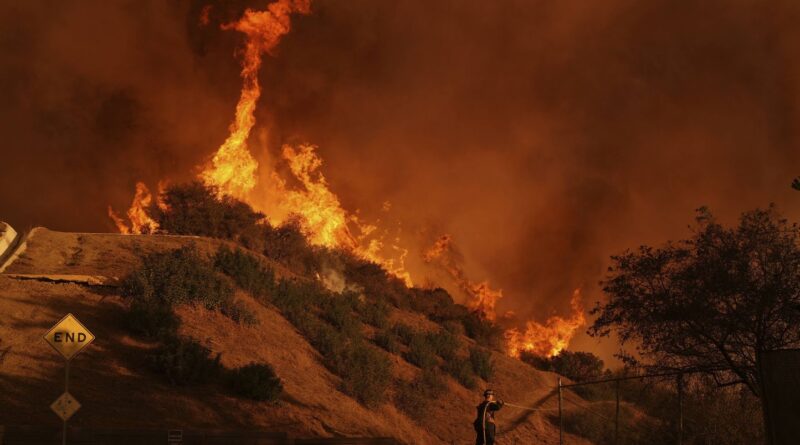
point(484, 424)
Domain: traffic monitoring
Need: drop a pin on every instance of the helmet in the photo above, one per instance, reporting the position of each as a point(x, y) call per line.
point(488, 393)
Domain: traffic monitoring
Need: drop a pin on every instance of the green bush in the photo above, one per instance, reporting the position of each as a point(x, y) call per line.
point(238, 312)
point(152, 318)
point(330, 342)
point(338, 310)
point(366, 373)
point(293, 296)
point(374, 280)
point(483, 331)
point(387, 340)
point(461, 370)
point(374, 313)
point(444, 344)
point(184, 362)
point(287, 245)
point(414, 397)
point(481, 361)
point(256, 382)
point(421, 352)
point(578, 366)
point(454, 327)
point(246, 271)
point(179, 276)
point(404, 332)
point(197, 209)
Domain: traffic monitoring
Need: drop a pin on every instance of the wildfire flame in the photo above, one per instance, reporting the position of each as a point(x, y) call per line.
point(482, 297)
point(550, 338)
point(233, 168)
point(546, 339)
point(140, 221)
point(233, 171)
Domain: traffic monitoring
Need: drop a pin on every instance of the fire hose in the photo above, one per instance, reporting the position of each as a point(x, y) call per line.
point(527, 408)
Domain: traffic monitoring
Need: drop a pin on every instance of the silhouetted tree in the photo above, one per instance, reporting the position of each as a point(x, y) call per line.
point(710, 302)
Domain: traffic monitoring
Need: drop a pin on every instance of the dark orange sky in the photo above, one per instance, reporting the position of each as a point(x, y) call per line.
point(544, 136)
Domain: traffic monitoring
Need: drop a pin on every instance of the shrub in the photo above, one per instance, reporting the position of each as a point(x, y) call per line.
point(327, 340)
point(437, 304)
point(414, 397)
point(374, 313)
point(375, 280)
point(256, 382)
point(365, 372)
point(294, 298)
point(481, 361)
point(177, 277)
point(287, 245)
point(196, 209)
point(152, 318)
point(387, 340)
point(338, 310)
point(443, 343)
point(483, 331)
point(577, 366)
point(461, 370)
point(403, 332)
point(539, 362)
point(421, 352)
point(246, 271)
point(184, 361)
point(454, 327)
point(238, 312)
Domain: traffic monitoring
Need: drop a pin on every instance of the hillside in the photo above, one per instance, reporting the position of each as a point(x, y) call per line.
point(56, 273)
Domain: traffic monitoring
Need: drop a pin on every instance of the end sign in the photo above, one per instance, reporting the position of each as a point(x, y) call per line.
point(69, 336)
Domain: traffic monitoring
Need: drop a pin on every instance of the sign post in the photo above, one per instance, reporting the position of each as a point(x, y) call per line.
point(68, 337)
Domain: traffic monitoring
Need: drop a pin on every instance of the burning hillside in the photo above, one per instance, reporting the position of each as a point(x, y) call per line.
point(306, 196)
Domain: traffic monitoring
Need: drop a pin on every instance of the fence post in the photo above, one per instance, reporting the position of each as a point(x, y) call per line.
point(680, 409)
point(560, 416)
point(616, 418)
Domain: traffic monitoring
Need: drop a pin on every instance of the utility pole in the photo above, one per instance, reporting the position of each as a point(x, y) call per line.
point(560, 415)
point(680, 409)
point(616, 418)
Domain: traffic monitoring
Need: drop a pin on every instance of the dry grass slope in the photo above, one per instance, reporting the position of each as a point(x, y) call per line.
point(115, 388)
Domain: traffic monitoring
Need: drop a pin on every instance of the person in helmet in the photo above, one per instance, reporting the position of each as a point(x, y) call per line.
point(484, 424)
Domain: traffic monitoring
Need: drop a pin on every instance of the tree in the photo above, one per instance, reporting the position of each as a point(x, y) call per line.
point(712, 302)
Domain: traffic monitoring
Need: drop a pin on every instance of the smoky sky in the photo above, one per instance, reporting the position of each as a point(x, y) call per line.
point(544, 136)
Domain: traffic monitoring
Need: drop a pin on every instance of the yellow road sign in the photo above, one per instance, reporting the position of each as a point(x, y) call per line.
point(65, 406)
point(69, 336)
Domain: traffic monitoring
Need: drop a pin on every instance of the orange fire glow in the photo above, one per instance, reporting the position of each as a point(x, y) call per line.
point(550, 338)
point(233, 168)
point(140, 221)
point(482, 297)
point(233, 171)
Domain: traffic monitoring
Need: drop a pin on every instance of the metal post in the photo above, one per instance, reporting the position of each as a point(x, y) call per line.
point(680, 409)
point(560, 416)
point(616, 418)
point(66, 390)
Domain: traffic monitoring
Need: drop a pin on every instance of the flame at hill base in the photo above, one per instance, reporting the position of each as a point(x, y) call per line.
point(233, 171)
point(482, 298)
point(547, 339)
